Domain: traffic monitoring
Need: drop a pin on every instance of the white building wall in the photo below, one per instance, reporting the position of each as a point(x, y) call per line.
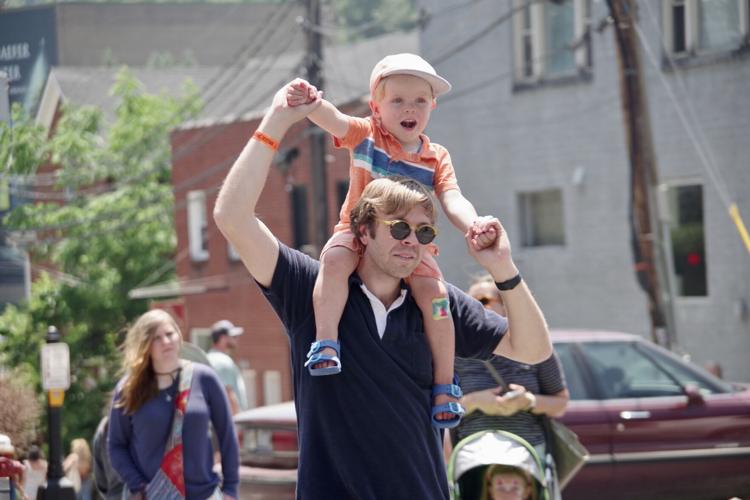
point(503, 142)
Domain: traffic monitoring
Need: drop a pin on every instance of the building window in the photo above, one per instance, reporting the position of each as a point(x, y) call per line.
point(704, 26)
point(541, 218)
point(300, 226)
point(551, 39)
point(201, 337)
point(271, 387)
point(685, 215)
point(197, 226)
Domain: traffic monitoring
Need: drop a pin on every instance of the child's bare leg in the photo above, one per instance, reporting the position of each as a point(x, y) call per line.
point(432, 299)
point(330, 294)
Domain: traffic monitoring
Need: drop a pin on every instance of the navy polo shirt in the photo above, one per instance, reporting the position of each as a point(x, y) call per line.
point(365, 433)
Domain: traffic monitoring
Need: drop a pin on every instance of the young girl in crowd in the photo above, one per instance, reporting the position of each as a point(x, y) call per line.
point(159, 440)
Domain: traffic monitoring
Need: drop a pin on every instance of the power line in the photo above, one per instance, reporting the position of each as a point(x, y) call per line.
point(182, 150)
point(483, 32)
point(256, 43)
point(705, 154)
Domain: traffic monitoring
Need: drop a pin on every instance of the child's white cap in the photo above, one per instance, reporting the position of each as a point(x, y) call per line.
point(408, 64)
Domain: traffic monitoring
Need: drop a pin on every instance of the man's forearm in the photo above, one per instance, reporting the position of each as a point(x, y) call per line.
point(236, 203)
point(528, 337)
point(241, 190)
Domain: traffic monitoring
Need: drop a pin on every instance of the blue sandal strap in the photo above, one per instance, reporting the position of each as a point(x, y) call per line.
point(315, 356)
point(319, 345)
point(452, 390)
point(452, 407)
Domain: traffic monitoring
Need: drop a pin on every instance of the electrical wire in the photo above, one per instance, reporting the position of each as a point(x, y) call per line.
point(215, 85)
point(694, 131)
point(483, 32)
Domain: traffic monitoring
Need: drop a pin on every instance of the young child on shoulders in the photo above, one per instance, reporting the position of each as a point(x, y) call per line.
point(403, 92)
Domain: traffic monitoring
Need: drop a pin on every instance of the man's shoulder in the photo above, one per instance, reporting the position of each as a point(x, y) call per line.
point(295, 263)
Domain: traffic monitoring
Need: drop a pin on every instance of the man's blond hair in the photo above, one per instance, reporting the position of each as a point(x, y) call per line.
point(389, 196)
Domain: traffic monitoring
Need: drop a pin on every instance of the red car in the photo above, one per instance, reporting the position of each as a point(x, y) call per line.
point(656, 426)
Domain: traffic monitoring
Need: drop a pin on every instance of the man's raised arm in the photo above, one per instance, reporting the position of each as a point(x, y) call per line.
point(234, 212)
point(528, 340)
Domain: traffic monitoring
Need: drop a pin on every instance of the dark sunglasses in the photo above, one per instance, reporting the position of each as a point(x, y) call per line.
point(400, 230)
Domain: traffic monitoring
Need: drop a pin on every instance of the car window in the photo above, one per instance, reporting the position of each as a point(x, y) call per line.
point(622, 371)
point(573, 375)
point(687, 373)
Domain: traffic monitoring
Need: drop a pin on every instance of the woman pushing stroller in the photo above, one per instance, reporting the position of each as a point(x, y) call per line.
point(501, 393)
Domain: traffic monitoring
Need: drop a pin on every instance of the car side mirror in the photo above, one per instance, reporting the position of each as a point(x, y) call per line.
point(694, 395)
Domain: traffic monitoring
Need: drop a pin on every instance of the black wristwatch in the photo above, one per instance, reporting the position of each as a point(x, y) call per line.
point(509, 284)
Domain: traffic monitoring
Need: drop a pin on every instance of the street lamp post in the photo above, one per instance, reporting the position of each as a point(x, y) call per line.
point(55, 379)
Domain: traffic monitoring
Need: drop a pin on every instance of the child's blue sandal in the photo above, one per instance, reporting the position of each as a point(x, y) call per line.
point(454, 391)
point(314, 356)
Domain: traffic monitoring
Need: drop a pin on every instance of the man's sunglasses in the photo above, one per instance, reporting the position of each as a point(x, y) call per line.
point(400, 230)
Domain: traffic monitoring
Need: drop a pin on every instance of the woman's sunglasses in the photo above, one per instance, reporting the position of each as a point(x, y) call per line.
point(486, 300)
point(400, 230)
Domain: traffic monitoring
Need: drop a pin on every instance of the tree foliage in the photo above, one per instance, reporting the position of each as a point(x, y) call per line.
point(18, 420)
point(105, 228)
point(368, 18)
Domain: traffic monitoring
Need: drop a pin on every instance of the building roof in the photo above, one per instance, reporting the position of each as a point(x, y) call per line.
point(132, 33)
point(232, 92)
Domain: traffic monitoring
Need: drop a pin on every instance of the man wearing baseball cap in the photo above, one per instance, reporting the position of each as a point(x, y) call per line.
point(391, 142)
point(224, 336)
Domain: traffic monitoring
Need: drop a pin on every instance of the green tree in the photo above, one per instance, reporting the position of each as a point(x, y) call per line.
point(368, 18)
point(105, 228)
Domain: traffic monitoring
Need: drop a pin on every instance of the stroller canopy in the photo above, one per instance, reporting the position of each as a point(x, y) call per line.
point(489, 448)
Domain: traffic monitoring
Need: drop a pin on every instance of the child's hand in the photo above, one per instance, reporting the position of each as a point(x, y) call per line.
point(483, 233)
point(289, 113)
point(300, 92)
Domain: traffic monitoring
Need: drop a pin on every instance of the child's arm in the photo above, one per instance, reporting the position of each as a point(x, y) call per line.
point(464, 216)
point(327, 116)
point(459, 210)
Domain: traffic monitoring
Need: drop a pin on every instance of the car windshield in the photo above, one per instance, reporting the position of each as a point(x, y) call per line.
point(638, 370)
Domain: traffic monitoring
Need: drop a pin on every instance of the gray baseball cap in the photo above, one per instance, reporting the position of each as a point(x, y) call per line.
point(225, 327)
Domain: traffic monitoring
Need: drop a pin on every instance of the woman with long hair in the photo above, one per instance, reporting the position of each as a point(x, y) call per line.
point(159, 440)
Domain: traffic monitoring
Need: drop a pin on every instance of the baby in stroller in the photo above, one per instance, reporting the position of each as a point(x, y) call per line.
point(505, 482)
point(495, 464)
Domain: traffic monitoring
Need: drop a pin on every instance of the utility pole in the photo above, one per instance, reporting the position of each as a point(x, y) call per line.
point(317, 138)
point(648, 248)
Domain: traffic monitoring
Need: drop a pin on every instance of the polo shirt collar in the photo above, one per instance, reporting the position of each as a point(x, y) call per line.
point(379, 310)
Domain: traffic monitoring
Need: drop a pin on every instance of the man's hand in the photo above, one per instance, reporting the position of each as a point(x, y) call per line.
point(293, 102)
point(496, 258)
point(483, 233)
point(300, 92)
